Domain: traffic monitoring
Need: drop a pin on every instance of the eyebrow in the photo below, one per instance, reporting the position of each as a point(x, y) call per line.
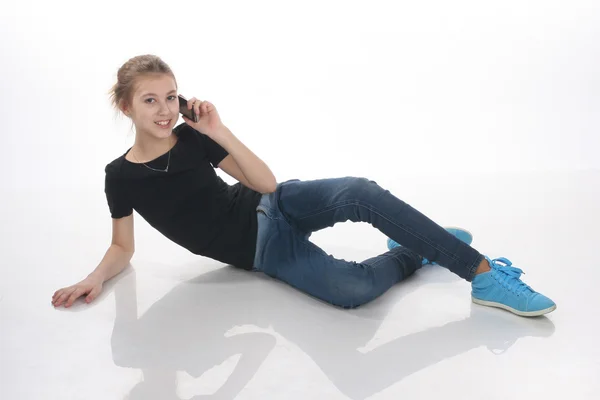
point(154, 94)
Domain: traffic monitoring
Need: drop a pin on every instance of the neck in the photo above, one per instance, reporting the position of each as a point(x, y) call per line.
point(148, 148)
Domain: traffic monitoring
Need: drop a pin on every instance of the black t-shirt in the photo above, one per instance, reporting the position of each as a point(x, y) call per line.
point(190, 204)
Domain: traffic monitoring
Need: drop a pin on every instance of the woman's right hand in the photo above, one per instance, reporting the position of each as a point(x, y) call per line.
point(90, 286)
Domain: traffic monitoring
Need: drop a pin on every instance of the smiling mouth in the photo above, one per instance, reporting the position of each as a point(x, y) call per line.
point(163, 123)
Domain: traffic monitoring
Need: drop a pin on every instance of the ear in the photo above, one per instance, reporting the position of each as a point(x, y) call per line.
point(124, 108)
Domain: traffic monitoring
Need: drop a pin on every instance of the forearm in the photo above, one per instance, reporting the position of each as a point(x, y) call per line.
point(254, 169)
point(115, 260)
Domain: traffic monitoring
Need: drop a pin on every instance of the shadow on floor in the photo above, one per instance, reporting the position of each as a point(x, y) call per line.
point(187, 330)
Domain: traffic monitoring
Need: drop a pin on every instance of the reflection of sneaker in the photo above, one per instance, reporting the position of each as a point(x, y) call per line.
point(501, 330)
point(502, 288)
point(462, 234)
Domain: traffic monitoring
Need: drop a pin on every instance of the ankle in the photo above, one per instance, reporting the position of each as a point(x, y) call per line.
point(484, 266)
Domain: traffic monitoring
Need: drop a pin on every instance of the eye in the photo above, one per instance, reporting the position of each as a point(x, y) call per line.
point(148, 99)
point(173, 97)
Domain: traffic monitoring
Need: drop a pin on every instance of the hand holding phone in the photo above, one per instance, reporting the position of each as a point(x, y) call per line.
point(183, 109)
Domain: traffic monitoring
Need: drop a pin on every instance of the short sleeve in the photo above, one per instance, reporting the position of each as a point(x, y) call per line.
point(116, 197)
point(213, 151)
point(216, 153)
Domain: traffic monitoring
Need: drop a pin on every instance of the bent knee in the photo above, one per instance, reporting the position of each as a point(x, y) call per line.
point(354, 293)
point(359, 187)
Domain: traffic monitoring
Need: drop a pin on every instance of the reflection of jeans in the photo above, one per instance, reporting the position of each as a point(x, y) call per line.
point(288, 216)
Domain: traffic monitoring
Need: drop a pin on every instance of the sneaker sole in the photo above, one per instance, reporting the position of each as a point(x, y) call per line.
point(512, 310)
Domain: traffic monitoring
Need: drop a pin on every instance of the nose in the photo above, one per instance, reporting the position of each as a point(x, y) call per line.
point(164, 110)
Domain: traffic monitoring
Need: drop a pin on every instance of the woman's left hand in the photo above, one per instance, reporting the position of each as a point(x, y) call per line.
point(209, 121)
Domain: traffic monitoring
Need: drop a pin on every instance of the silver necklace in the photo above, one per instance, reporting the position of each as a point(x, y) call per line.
point(155, 169)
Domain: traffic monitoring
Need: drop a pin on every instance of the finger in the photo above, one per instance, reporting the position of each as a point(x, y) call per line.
point(205, 107)
point(191, 102)
point(93, 294)
point(60, 300)
point(64, 296)
point(55, 295)
point(61, 291)
point(188, 121)
point(197, 105)
point(64, 293)
point(74, 296)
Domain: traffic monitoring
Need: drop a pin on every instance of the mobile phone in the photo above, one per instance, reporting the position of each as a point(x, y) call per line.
point(184, 110)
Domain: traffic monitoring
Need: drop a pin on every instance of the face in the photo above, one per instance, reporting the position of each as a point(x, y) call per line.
point(154, 100)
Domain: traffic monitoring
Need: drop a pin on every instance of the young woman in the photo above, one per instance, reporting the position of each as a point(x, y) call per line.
point(168, 176)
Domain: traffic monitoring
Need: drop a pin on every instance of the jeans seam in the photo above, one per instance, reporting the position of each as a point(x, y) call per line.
point(473, 268)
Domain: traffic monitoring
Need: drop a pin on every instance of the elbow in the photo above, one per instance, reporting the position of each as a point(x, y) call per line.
point(127, 251)
point(265, 186)
point(130, 254)
point(269, 188)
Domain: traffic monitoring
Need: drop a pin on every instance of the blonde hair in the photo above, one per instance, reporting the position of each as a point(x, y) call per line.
point(128, 76)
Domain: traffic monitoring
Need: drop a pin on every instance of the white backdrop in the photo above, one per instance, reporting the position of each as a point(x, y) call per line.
point(316, 89)
point(479, 113)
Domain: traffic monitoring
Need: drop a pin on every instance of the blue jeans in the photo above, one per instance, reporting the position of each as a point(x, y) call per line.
point(288, 216)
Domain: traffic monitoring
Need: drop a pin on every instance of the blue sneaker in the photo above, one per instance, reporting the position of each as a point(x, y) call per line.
point(462, 234)
point(502, 288)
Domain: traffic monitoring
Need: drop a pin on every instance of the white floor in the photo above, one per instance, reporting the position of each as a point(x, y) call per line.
point(177, 326)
